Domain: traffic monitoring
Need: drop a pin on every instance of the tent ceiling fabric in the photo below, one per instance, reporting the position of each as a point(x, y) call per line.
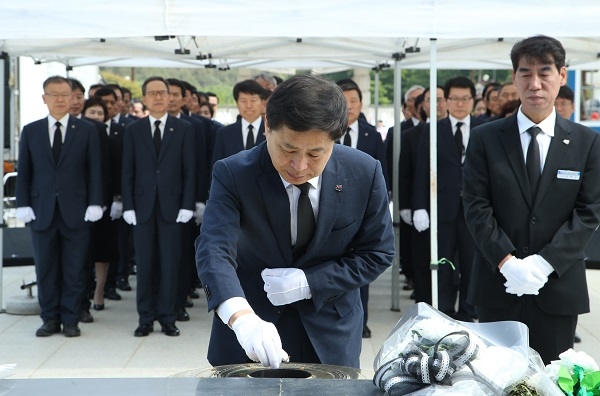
point(264, 34)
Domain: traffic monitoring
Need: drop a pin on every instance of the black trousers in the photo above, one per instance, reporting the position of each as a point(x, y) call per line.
point(549, 334)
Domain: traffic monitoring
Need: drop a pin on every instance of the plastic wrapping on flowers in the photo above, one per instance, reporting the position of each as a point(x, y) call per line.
point(576, 373)
point(429, 353)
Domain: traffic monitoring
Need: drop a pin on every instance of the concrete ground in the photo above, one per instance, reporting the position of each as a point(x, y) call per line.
point(107, 347)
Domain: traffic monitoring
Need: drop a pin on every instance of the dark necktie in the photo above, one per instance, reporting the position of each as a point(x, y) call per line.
point(534, 167)
point(156, 137)
point(57, 142)
point(250, 138)
point(305, 221)
point(347, 138)
point(458, 139)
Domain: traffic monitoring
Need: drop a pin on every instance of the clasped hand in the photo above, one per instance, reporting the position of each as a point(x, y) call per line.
point(285, 285)
point(525, 276)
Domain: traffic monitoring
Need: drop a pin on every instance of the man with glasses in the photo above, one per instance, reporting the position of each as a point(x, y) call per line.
point(59, 191)
point(158, 190)
point(454, 240)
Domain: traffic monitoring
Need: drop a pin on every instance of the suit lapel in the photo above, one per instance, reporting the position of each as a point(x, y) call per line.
point(147, 135)
point(261, 133)
point(167, 136)
point(556, 152)
point(69, 132)
point(511, 142)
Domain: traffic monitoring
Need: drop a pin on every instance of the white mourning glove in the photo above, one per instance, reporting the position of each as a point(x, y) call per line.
point(184, 216)
point(199, 213)
point(116, 210)
point(25, 214)
point(521, 278)
point(260, 340)
point(93, 213)
point(285, 285)
point(129, 217)
point(406, 216)
point(421, 220)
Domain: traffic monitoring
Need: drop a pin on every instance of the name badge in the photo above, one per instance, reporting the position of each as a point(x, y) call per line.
point(568, 175)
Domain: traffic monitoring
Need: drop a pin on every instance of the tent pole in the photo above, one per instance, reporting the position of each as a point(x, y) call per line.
point(4, 75)
point(376, 95)
point(395, 189)
point(433, 173)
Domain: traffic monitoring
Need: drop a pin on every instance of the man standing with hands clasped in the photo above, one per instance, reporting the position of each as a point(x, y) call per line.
point(292, 229)
point(532, 202)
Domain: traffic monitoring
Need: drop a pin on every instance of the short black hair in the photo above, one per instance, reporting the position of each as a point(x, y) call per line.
point(347, 84)
point(153, 78)
point(212, 94)
point(307, 102)
point(56, 80)
point(565, 92)
point(249, 87)
point(105, 91)
point(95, 101)
point(459, 82)
point(126, 91)
point(176, 83)
point(540, 48)
point(76, 84)
point(489, 87)
point(116, 86)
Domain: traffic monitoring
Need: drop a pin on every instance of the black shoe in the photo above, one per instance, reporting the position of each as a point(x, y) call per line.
point(408, 284)
point(366, 332)
point(188, 304)
point(86, 316)
point(112, 294)
point(143, 330)
point(98, 307)
point(170, 329)
point(576, 339)
point(123, 284)
point(182, 315)
point(48, 328)
point(194, 294)
point(71, 330)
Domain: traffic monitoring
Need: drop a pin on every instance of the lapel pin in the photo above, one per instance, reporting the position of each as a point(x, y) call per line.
point(338, 187)
point(73, 126)
point(566, 141)
point(171, 129)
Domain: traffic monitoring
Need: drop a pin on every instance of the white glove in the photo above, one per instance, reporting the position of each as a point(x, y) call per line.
point(539, 264)
point(25, 214)
point(521, 277)
point(116, 210)
point(199, 214)
point(285, 285)
point(184, 216)
point(406, 216)
point(129, 217)
point(421, 220)
point(260, 340)
point(93, 213)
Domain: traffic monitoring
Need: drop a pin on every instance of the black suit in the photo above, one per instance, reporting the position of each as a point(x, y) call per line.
point(230, 140)
point(557, 224)
point(157, 188)
point(454, 239)
point(59, 194)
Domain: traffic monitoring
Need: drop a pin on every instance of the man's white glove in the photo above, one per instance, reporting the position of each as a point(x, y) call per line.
point(129, 217)
point(285, 285)
point(260, 340)
point(184, 216)
point(522, 277)
point(25, 214)
point(116, 210)
point(93, 213)
point(199, 213)
point(406, 216)
point(421, 220)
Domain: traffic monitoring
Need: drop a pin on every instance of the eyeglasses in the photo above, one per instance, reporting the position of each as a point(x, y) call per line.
point(55, 96)
point(464, 99)
point(157, 93)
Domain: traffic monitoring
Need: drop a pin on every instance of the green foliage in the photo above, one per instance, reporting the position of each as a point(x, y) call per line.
point(112, 78)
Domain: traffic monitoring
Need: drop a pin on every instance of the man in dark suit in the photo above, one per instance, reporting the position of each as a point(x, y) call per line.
point(454, 240)
point(59, 190)
point(117, 116)
point(158, 190)
point(363, 136)
point(258, 230)
point(248, 131)
point(532, 202)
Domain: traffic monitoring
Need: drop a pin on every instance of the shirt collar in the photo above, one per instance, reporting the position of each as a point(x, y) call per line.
point(313, 182)
point(64, 121)
point(466, 121)
point(255, 124)
point(162, 119)
point(547, 125)
point(354, 126)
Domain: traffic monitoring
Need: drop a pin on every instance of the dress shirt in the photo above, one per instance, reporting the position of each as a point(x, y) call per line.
point(353, 134)
point(255, 125)
point(465, 129)
point(163, 122)
point(107, 123)
point(293, 193)
point(52, 127)
point(544, 139)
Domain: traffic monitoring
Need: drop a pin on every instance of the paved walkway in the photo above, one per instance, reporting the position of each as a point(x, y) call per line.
point(107, 347)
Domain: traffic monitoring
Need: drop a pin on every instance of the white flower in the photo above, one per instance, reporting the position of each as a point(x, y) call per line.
point(569, 359)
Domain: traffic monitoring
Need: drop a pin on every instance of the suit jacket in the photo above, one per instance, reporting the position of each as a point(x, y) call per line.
point(202, 154)
point(110, 156)
point(389, 147)
point(75, 182)
point(247, 229)
point(407, 166)
point(503, 218)
point(171, 176)
point(370, 142)
point(229, 140)
point(449, 171)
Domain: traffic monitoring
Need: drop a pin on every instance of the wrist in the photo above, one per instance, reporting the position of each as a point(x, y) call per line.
point(504, 260)
point(236, 315)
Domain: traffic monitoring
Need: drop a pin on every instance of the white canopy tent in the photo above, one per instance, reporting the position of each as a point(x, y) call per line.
point(313, 34)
